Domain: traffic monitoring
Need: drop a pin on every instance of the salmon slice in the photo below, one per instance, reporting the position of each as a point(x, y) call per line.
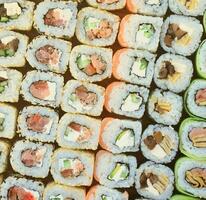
point(18, 193)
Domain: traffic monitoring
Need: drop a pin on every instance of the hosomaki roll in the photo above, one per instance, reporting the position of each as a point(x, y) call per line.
point(192, 133)
point(16, 15)
point(154, 181)
point(181, 35)
point(98, 192)
point(18, 187)
point(159, 143)
point(49, 54)
point(118, 135)
point(126, 99)
point(4, 156)
point(140, 32)
point(82, 97)
point(148, 7)
point(10, 83)
point(78, 132)
point(134, 66)
point(43, 88)
point(173, 72)
point(91, 64)
point(8, 116)
point(199, 60)
point(31, 159)
point(119, 171)
point(72, 168)
point(38, 123)
point(190, 177)
point(165, 107)
point(56, 18)
point(97, 27)
point(12, 49)
point(55, 191)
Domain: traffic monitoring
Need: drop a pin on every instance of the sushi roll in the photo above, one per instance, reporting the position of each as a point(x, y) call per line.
point(31, 159)
point(190, 177)
point(181, 35)
point(96, 27)
point(173, 72)
point(115, 171)
point(125, 99)
point(107, 4)
point(4, 156)
point(159, 143)
point(38, 123)
point(12, 49)
point(72, 168)
point(16, 15)
point(21, 188)
point(195, 98)
point(56, 18)
point(185, 7)
point(199, 61)
point(8, 115)
point(10, 83)
point(119, 135)
point(78, 132)
point(133, 66)
point(154, 181)
point(165, 107)
point(140, 32)
point(148, 7)
point(192, 134)
point(104, 193)
point(91, 64)
point(42, 88)
point(82, 97)
point(55, 191)
point(49, 54)
point(182, 197)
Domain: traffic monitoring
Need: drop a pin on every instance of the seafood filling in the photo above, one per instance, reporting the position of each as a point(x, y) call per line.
point(200, 97)
point(198, 137)
point(120, 172)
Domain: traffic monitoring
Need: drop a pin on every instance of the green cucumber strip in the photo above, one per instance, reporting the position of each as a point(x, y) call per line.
point(114, 171)
point(82, 61)
point(144, 64)
point(72, 97)
point(14, 16)
point(4, 19)
point(2, 52)
point(10, 52)
point(135, 98)
point(67, 164)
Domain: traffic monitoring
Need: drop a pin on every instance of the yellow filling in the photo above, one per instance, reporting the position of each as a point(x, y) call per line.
point(190, 5)
point(185, 40)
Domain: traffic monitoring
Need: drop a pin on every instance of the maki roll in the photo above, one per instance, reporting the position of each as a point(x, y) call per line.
point(140, 32)
point(185, 7)
point(55, 191)
point(91, 64)
point(118, 135)
point(49, 54)
point(104, 193)
point(10, 83)
point(78, 132)
point(107, 4)
point(43, 88)
point(134, 66)
point(8, 115)
point(154, 181)
point(96, 27)
point(119, 171)
point(148, 7)
point(165, 107)
point(82, 97)
point(16, 15)
point(56, 18)
point(21, 188)
point(4, 156)
point(173, 72)
point(195, 98)
point(31, 159)
point(72, 168)
point(182, 197)
point(192, 134)
point(199, 61)
point(38, 123)
point(12, 49)
point(125, 99)
point(159, 143)
point(190, 177)
point(181, 35)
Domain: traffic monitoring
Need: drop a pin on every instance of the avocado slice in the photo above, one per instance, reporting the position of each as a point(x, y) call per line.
point(10, 52)
point(57, 197)
point(2, 52)
point(143, 64)
point(120, 172)
point(135, 98)
point(14, 16)
point(2, 88)
point(148, 30)
point(4, 19)
point(91, 23)
point(125, 138)
point(83, 61)
point(104, 197)
point(72, 97)
point(67, 164)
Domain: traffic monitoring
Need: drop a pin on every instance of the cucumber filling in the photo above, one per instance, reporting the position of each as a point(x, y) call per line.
point(109, 2)
point(119, 173)
point(2, 121)
point(105, 197)
point(139, 67)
